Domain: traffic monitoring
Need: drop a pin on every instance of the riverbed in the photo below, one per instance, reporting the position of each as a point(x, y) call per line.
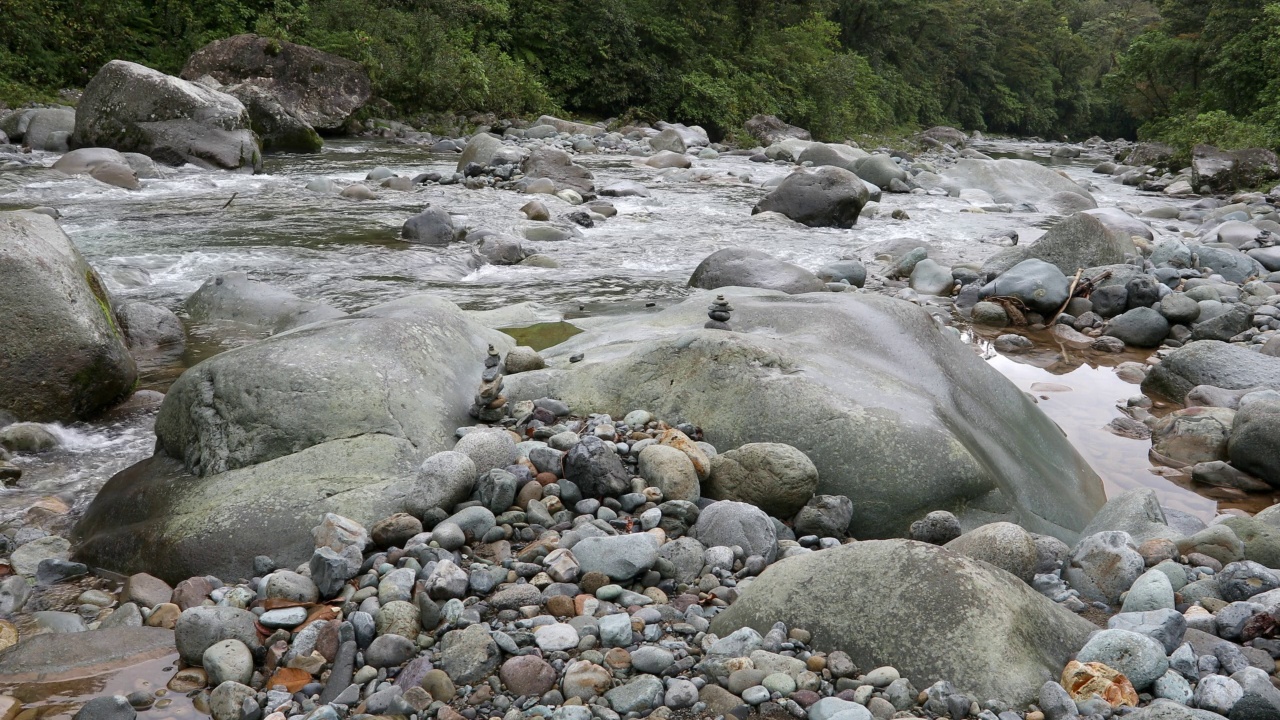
point(158, 244)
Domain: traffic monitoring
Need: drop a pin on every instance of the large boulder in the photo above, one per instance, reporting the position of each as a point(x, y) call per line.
point(102, 164)
point(768, 129)
point(320, 89)
point(49, 129)
point(557, 166)
point(487, 149)
point(1255, 437)
point(742, 267)
point(825, 197)
point(893, 412)
point(835, 154)
point(947, 136)
point(259, 307)
point(133, 108)
point(1214, 363)
point(569, 126)
point(931, 613)
point(1039, 285)
point(1014, 181)
point(254, 445)
point(880, 170)
point(1227, 170)
point(279, 128)
point(62, 357)
point(1085, 240)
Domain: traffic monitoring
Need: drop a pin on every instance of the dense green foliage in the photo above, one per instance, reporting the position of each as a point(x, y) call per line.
point(1182, 70)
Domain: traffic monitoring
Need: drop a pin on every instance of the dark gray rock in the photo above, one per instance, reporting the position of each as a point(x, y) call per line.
point(199, 628)
point(432, 226)
point(1038, 284)
point(320, 89)
point(147, 326)
point(824, 516)
point(1140, 327)
point(825, 197)
point(727, 523)
point(1209, 362)
point(107, 707)
point(596, 469)
point(1166, 626)
point(279, 129)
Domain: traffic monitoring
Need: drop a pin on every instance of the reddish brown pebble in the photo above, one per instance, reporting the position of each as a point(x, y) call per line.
point(545, 478)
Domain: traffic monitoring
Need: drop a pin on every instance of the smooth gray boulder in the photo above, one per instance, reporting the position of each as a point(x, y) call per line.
point(1210, 362)
point(894, 413)
point(834, 154)
point(1001, 544)
point(930, 613)
point(879, 170)
point(1136, 512)
point(1013, 181)
point(1254, 445)
point(234, 298)
point(49, 128)
point(133, 108)
point(824, 197)
point(743, 267)
point(63, 356)
point(768, 129)
point(320, 89)
point(334, 417)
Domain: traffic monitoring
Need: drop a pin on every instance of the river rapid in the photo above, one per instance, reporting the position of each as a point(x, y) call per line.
point(159, 243)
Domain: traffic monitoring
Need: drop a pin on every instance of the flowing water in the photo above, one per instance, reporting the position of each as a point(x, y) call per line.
point(158, 244)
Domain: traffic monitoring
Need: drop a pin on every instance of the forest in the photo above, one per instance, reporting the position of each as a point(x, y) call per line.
point(1183, 71)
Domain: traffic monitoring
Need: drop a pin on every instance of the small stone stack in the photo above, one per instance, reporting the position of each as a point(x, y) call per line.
point(719, 314)
point(490, 405)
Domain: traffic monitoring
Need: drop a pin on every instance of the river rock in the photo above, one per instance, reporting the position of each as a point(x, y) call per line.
point(774, 477)
point(557, 166)
point(1140, 658)
point(1210, 362)
point(825, 197)
point(1193, 435)
point(278, 127)
point(200, 628)
point(1166, 626)
point(947, 136)
point(1041, 286)
point(863, 418)
point(147, 326)
point(234, 298)
point(49, 128)
point(834, 154)
point(1002, 639)
point(1003, 545)
point(527, 675)
point(621, 557)
point(1103, 566)
point(1227, 170)
point(133, 108)
point(1014, 181)
point(741, 267)
point(106, 707)
point(432, 226)
point(671, 471)
point(64, 357)
point(595, 468)
point(469, 655)
point(1136, 512)
point(1086, 239)
point(1255, 436)
point(102, 164)
point(727, 523)
point(228, 660)
point(879, 170)
point(824, 516)
point(768, 129)
point(343, 443)
point(321, 89)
